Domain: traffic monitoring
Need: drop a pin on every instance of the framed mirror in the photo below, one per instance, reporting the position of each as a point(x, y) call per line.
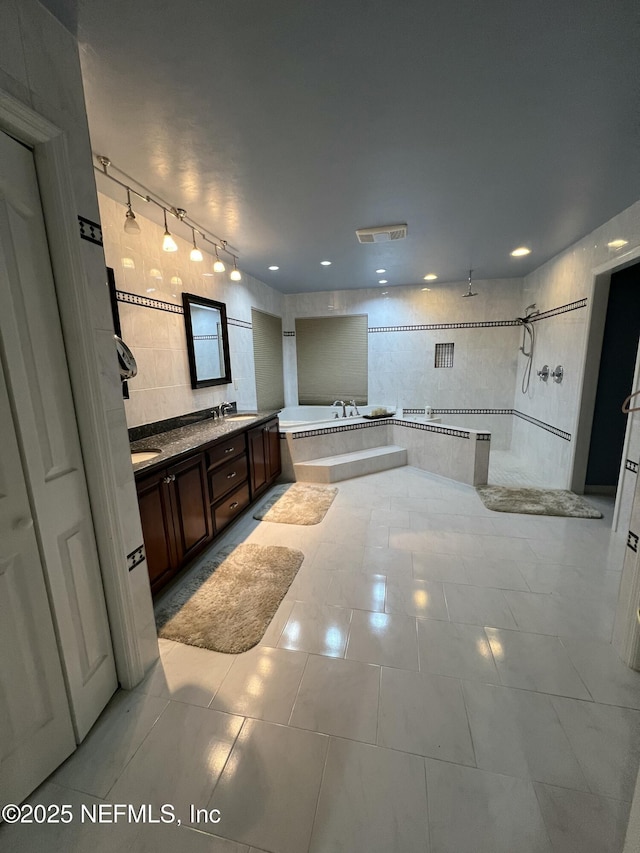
point(207, 341)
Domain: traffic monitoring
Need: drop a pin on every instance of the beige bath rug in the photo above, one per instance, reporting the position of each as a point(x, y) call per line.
point(297, 503)
point(228, 604)
point(536, 502)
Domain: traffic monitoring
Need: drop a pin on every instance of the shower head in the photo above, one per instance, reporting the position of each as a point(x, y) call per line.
point(469, 292)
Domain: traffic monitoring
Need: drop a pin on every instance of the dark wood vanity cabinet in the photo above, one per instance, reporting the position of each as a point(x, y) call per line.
point(185, 505)
point(175, 516)
point(228, 484)
point(264, 455)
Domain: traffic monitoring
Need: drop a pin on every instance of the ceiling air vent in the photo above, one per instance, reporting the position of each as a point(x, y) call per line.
point(382, 233)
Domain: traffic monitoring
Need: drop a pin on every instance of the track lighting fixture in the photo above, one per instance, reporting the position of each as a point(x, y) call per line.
point(168, 243)
point(130, 223)
point(132, 226)
point(235, 275)
point(196, 254)
point(218, 266)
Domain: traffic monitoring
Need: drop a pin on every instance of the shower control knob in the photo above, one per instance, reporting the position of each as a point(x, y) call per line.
point(558, 373)
point(544, 373)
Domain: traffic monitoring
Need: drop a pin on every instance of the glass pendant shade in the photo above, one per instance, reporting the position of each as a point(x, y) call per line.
point(130, 223)
point(235, 274)
point(196, 254)
point(168, 243)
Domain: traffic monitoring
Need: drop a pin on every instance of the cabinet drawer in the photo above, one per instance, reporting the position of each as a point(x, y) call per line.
point(226, 450)
point(230, 507)
point(227, 477)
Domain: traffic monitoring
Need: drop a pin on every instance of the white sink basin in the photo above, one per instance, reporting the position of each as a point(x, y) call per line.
point(144, 455)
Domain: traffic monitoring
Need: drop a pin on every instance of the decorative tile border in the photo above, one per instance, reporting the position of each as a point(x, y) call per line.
point(469, 411)
point(549, 428)
point(135, 558)
point(631, 466)
point(632, 542)
point(458, 433)
point(205, 337)
point(562, 309)
point(243, 324)
point(483, 436)
point(344, 428)
point(427, 327)
point(288, 334)
point(146, 302)
point(91, 231)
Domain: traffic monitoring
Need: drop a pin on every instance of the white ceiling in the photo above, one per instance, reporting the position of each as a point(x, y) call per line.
point(283, 126)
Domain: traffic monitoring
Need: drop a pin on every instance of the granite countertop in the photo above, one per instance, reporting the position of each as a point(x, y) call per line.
point(175, 442)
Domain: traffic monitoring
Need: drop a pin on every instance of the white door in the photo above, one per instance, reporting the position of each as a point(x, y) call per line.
point(38, 383)
point(36, 734)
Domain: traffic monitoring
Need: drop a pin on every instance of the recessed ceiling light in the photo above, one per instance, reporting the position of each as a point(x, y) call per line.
point(520, 252)
point(380, 271)
point(325, 263)
point(274, 268)
point(617, 244)
point(383, 281)
point(430, 276)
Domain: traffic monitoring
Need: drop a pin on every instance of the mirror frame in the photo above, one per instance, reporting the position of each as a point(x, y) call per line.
point(189, 299)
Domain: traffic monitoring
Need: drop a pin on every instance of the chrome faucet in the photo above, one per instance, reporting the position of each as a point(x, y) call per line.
point(344, 406)
point(225, 408)
point(355, 407)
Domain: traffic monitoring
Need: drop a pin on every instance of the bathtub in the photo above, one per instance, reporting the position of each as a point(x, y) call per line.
point(297, 416)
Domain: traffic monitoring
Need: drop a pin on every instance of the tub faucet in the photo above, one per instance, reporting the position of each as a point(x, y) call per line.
point(225, 408)
point(344, 406)
point(355, 407)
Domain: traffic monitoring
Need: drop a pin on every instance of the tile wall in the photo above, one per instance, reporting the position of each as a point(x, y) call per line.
point(566, 279)
point(162, 389)
point(402, 351)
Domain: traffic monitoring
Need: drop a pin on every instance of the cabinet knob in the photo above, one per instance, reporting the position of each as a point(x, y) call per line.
point(229, 450)
point(233, 505)
point(167, 479)
point(232, 474)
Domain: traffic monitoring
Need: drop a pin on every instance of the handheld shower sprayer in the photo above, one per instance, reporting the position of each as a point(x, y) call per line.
point(528, 329)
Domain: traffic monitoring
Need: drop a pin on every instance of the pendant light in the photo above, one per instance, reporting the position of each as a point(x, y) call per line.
point(196, 254)
point(168, 243)
point(131, 225)
point(218, 266)
point(234, 275)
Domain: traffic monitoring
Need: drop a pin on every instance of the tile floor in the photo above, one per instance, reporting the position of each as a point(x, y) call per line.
point(438, 678)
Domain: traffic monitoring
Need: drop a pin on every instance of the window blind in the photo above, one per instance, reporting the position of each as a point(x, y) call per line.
point(267, 355)
point(332, 355)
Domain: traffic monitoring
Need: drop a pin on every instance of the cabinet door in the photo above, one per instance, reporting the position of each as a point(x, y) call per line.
point(191, 512)
point(258, 459)
point(157, 528)
point(272, 437)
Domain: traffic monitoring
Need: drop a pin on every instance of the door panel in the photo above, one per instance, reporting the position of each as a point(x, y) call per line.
point(36, 734)
point(257, 459)
point(157, 529)
point(38, 382)
point(192, 515)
